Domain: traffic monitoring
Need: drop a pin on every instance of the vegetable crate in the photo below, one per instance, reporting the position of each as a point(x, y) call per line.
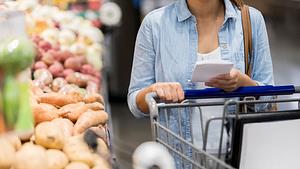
point(234, 115)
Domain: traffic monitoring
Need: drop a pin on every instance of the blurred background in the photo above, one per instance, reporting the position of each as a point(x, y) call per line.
point(282, 19)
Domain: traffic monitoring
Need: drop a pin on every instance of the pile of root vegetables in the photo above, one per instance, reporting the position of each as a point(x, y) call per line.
point(53, 147)
point(65, 96)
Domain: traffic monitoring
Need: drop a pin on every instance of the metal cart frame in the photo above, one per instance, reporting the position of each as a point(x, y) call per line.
point(200, 159)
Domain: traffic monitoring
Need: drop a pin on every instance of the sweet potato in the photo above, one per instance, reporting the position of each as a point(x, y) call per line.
point(90, 119)
point(2, 124)
point(95, 106)
point(49, 135)
point(56, 69)
point(74, 63)
point(95, 97)
point(40, 65)
point(66, 126)
point(56, 159)
point(59, 100)
point(78, 79)
point(58, 83)
point(44, 112)
point(100, 131)
point(73, 111)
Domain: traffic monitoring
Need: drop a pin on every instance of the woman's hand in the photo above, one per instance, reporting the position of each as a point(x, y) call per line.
point(168, 92)
point(231, 81)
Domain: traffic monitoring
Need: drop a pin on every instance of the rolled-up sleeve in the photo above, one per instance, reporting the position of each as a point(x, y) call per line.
point(143, 72)
point(262, 61)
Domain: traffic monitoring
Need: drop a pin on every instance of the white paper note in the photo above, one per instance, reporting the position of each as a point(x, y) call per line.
point(205, 70)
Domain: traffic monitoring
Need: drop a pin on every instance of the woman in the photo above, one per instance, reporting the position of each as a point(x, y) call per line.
point(172, 39)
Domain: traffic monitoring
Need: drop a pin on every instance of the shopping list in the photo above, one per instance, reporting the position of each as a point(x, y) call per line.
point(205, 70)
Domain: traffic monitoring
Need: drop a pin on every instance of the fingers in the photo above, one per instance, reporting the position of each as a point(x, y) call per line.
point(227, 82)
point(168, 92)
point(227, 88)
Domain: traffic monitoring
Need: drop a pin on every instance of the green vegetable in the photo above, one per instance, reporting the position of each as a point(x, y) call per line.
point(25, 119)
point(16, 54)
point(10, 100)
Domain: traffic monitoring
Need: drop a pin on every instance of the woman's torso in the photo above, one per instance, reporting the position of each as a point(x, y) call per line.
point(175, 41)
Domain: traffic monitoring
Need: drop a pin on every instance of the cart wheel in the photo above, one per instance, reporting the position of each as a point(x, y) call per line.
point(152, 155)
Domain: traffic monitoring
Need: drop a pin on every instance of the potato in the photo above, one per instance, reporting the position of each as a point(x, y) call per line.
point(67, 72)
point(64, 55)
point(101, 163)
point(74, 63)
point(44, 45)
point(78, 151)
point(92, 87)
point(87, 69)
point(56, 159)
point(78, 79)
point(43, 75)
point(56, 69)
point(58, 83)
point(93, 79)
point(69, 88)
point(7, 153)
point(66, 126)
point(49, 135)
point(40, 65)
point(48, 58)
point(14, 140)
point(31, 156)
point(102, 148)
point(77, 165)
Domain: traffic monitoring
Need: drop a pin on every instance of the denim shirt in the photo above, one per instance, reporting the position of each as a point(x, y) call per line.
point(166, 51)
point(167, 44)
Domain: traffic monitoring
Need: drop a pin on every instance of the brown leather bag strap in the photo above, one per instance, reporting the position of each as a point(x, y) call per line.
point(247, 31)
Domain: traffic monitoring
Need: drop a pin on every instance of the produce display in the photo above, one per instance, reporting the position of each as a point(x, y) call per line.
point(64, 97)
point(49, 148)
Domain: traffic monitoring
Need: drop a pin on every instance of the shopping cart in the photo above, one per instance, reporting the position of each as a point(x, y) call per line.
point(183, 149)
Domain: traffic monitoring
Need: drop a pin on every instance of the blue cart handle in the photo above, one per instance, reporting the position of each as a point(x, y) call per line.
point(242, 92)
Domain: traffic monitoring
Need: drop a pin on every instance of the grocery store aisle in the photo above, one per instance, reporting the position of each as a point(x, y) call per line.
point(284, 41)
point(128, 133)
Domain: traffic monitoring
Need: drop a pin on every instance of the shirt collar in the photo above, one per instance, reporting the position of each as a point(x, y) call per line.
point(184, 13)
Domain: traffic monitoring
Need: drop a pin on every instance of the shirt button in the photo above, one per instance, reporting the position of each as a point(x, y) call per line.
point(224, 45)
